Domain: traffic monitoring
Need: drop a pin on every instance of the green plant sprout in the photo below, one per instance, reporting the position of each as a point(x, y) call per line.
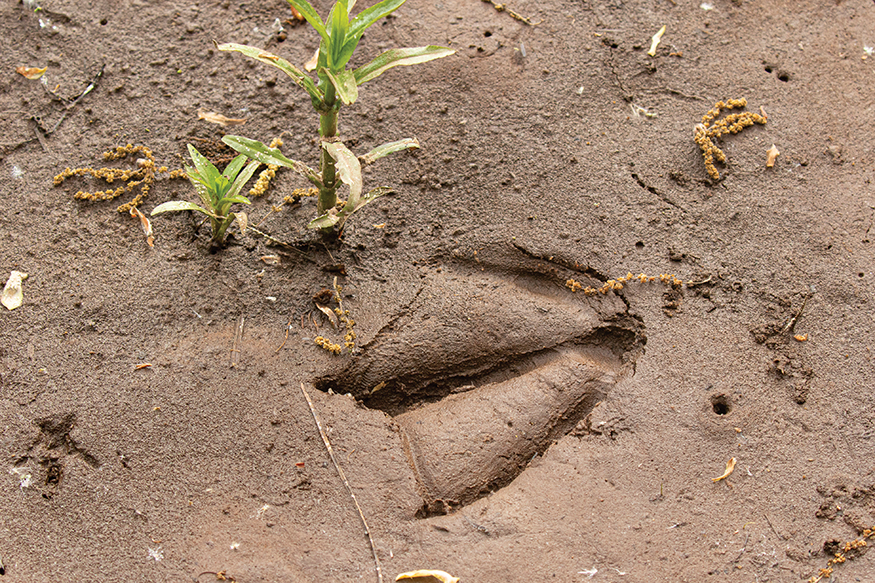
point(336, 86)
point(218, 191)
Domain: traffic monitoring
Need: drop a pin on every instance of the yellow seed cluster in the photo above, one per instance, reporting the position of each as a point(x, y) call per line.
point(143, 176)
point(733, 123)
point(328, 345)
point(349, 323)
point(841, 557)
point(617, 284)
point(266, 175)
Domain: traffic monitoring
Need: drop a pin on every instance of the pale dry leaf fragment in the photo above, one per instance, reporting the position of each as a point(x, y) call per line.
point(270, 259)
point(12, 296)
point(218, 118)
point(310, 65)
point(242, 220)
point(773, 154)
point(730, 466)
point(655, 42)
point(332, 317)
point(31, 72)
point(427, 576)
point(146, 224)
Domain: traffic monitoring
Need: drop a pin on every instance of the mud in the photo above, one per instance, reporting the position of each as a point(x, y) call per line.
point(491, 422)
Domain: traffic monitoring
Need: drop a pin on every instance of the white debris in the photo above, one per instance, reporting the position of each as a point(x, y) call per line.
point(12, 296)
point(156, 554)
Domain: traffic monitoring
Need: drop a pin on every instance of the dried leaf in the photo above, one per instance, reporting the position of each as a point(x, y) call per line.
point(773, 153)
point(219, 118)
point(730, 466)
point(655, 42)
point(427, 577)
point(12, 296)
point(242, 220)
point(801, 337)
point(310, 65)
point(31, 72)
point(270, 259)
point(332, 317)
point(146, 224)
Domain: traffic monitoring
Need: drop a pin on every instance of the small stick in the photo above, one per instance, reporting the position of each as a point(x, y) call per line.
point(695, 283)
point(789, 325)
point(238, 336)
point(345, 483)
point(780, 536)
point(276, 241)
point(288, 327)
point(743, 548)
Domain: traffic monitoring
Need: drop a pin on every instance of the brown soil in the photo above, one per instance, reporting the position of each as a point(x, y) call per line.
point(498, 426)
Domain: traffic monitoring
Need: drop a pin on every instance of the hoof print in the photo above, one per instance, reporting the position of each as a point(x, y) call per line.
point(494, 361)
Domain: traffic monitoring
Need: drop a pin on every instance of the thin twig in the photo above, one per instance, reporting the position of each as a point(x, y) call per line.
point(288, 327)
point(276, 241)
point(503, 8)
point(743, 548)
point(345, 483)
point(789, 325)
point(775, 530)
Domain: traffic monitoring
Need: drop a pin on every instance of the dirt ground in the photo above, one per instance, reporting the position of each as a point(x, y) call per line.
point(492, 422)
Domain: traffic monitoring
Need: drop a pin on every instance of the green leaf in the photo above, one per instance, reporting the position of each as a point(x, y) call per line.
point(349, 169)
point(207, 171)
point(398, 57)
point(178, 205)
point(243, 178)
point(283, 65)
point(344, 84)
point(266, 155)
point(368, 17)
point(233, 169)
point(389, 148)
point(339, 22)
point(237, 198)
point(308, 12)
point(358, 25)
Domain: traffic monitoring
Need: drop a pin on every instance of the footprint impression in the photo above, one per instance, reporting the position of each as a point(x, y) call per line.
point(493, 360)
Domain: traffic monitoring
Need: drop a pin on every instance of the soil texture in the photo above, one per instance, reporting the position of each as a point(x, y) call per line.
point(566, 324)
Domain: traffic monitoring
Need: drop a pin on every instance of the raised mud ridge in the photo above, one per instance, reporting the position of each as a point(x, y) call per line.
point(493, 361)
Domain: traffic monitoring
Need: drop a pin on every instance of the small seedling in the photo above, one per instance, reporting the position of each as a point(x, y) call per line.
point(336, 85)
point(218, 191)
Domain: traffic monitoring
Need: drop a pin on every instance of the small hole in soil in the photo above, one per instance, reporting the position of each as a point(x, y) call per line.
point(103, 22)
point(720, 404)
point(784, 77)
point(768, 69)
point(861, 274)
point(487, 33)
point(640, 244)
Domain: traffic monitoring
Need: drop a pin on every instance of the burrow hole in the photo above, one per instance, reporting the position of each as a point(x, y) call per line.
point(720, 404)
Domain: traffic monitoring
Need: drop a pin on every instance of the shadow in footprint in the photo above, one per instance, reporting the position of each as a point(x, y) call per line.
point(494, 360)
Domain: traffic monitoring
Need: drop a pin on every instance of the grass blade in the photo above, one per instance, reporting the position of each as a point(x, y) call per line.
point(399, 57)
point(389, 148)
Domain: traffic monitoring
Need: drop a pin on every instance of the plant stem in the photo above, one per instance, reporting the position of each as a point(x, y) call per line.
point(328, 130)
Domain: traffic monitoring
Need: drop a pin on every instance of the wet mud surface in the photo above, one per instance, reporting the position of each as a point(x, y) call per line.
point(494, 421)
